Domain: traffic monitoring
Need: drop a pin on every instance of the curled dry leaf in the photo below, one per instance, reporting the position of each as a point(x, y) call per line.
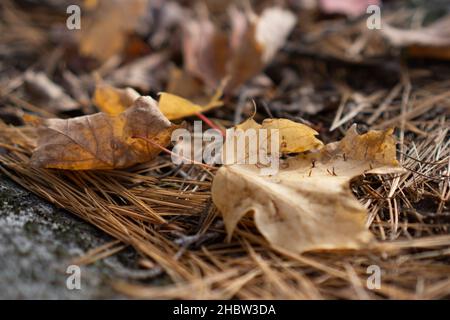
point(143, 74)
point(212, 55)
point(106, 30)
point(205, 51)
point(432, 41)
point(308, 204)
point(102, 141)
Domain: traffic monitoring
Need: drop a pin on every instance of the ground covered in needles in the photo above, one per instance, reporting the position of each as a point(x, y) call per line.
point(75, 109)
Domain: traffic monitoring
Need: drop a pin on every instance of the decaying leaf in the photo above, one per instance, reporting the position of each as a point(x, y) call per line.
point(432, 41)
point(102, 141)
point(112, 100)
point(212, 55)
point(106, 31)
point(272, 30)
point(205, 51)
point(308, 204)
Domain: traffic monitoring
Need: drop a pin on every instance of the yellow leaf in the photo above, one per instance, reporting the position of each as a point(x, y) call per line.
point(308, 204)
point(103, 141)
point(175, 107)
point(112, 100)
point(294, 137)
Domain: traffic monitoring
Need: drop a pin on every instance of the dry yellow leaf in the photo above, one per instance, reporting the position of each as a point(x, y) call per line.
point(103, 141)
point(294, 137)
point(112, 100)
point(175, 107)
point(308, 204)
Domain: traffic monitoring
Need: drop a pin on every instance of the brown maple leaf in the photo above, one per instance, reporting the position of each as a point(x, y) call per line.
point(103, 141)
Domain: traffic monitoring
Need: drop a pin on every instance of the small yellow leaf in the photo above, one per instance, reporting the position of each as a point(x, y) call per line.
point(112, 100)
point(175, 107)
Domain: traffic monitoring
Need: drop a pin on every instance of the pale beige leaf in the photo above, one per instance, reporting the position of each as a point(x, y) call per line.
point(272, 30)
point(308, 204)
point(434, 35)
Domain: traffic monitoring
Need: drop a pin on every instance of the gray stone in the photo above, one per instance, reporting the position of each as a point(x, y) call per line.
point(38, 243)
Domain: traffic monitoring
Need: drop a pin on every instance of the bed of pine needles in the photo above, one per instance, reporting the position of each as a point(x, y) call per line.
point(165, 212)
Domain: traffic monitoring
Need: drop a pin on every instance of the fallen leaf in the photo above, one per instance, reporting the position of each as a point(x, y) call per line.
point(272, 30)
point(308, 204)
point(105, 31)
point(175, 107)
point(293, 137)
point(436, 34)
point(142, 74)
point(247, 53)
point(102, 141)
point(184, 84)
point(206, 51)
point(112, 100)
point(432, 41)
point(212, 55)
